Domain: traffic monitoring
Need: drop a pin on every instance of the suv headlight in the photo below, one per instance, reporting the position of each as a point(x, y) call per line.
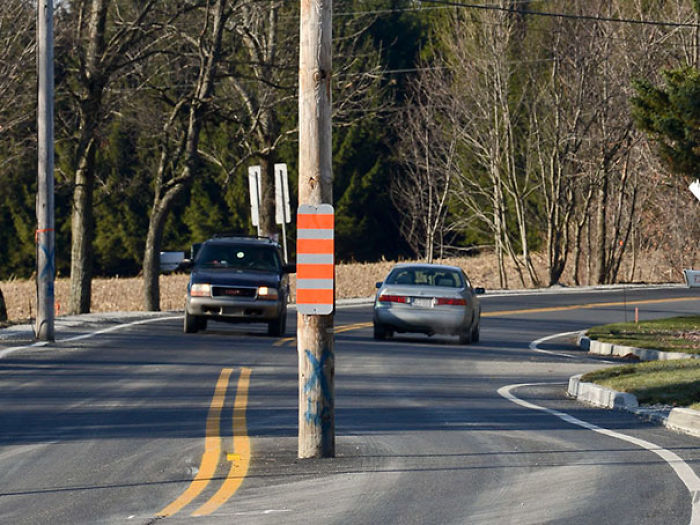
point(200, 290)
point(267, 293)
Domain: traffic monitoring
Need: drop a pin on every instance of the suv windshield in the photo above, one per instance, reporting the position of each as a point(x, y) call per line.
point(238, 256)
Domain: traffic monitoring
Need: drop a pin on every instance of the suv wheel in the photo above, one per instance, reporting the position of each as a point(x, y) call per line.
point(193, 323)
point(278, 327)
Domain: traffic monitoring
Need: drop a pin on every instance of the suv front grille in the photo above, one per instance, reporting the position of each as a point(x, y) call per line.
point(228, 291)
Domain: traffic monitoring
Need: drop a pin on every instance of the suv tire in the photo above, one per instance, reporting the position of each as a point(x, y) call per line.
point(278, 327)
point(192, 323)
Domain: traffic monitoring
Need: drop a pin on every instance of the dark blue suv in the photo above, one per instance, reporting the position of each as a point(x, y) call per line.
point(238, 279)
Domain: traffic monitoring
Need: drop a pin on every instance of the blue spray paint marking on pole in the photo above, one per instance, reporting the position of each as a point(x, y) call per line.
point(49, 268)
point(319, 416)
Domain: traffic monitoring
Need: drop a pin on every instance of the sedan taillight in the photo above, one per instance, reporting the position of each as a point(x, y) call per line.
point(450, 301)
point(392, 298)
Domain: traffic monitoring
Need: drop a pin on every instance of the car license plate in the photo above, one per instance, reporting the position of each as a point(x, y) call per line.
point(422, 302)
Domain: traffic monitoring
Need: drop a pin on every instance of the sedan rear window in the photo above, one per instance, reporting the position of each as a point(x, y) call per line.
point(426, 277)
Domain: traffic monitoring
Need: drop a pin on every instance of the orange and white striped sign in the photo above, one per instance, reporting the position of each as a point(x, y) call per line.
point(315, 259)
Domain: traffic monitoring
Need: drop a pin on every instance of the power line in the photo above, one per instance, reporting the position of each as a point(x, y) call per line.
point(562, 15)
point(445, 4)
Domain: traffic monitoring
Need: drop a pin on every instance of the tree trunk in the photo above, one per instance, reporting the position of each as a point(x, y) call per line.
point(577, 253)
point(267, 198)
point(81, 233)
point(3, 308)
point(92, 79)
point(154, 239)
point(601, 240)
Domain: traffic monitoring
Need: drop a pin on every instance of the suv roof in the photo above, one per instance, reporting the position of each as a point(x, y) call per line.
point(245, 238)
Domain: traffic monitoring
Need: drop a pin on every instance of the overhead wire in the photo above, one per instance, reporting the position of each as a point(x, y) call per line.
point(490, 7)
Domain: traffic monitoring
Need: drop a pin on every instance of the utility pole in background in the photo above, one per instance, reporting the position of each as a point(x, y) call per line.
point(45, 234)
point(315, 340)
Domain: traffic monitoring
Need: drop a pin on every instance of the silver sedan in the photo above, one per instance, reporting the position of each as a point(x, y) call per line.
point(429, 299)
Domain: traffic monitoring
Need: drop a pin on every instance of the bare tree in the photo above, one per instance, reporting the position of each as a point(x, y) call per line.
point(200, 39)
point(487, 113)
point(17, 49)
point(259, 93)
point(560, 118)
point(17, 52)
point(108, 38)
point(268, 85)
point(421, 192)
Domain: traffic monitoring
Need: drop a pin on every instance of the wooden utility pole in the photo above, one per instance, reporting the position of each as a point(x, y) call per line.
point(315, 341)
point(45, 235)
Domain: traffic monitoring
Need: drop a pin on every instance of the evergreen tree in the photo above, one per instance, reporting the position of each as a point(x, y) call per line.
point(671, 116)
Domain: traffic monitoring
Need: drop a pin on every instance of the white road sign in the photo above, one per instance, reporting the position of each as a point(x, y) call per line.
point(254, 189)
point(283, 213)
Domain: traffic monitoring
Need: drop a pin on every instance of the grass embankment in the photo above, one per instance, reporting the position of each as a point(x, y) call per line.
point(677, 334)
point(674, 382)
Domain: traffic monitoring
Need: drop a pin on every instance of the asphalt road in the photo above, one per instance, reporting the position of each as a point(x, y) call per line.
point(143, 422)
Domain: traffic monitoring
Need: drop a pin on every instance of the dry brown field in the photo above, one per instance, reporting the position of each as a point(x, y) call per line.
point(121, 294)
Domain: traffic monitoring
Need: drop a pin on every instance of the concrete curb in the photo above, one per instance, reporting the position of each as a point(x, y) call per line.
point(644, 354)
point(683, 420)
point(600, 396)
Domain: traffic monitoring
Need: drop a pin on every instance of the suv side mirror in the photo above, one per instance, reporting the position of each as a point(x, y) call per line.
point(479, 291)
point(289, 268)
point(378, 284)
point(185, 264)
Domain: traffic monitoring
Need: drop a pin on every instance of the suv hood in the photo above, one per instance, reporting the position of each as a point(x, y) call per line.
point(228, 277)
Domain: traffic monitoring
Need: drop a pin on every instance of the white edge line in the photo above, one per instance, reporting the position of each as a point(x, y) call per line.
point(8, 351)
point(534, 345)
point(681, 468)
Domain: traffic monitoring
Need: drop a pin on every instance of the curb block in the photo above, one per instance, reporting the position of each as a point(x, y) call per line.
point(683, 420)
point(644, 354)
point(600, 396)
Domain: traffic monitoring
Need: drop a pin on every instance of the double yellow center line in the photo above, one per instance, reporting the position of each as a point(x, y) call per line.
point(240, 460)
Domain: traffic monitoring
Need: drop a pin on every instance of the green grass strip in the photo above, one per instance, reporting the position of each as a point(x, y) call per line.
point(677, 334)
point(675, 383)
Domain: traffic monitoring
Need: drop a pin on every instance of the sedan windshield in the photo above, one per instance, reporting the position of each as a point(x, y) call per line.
point(426, 277)
point(258, 258)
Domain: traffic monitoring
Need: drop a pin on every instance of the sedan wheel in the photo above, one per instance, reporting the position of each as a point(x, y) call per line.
point(465, 338)
point(380, 333)
point(475, 333)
